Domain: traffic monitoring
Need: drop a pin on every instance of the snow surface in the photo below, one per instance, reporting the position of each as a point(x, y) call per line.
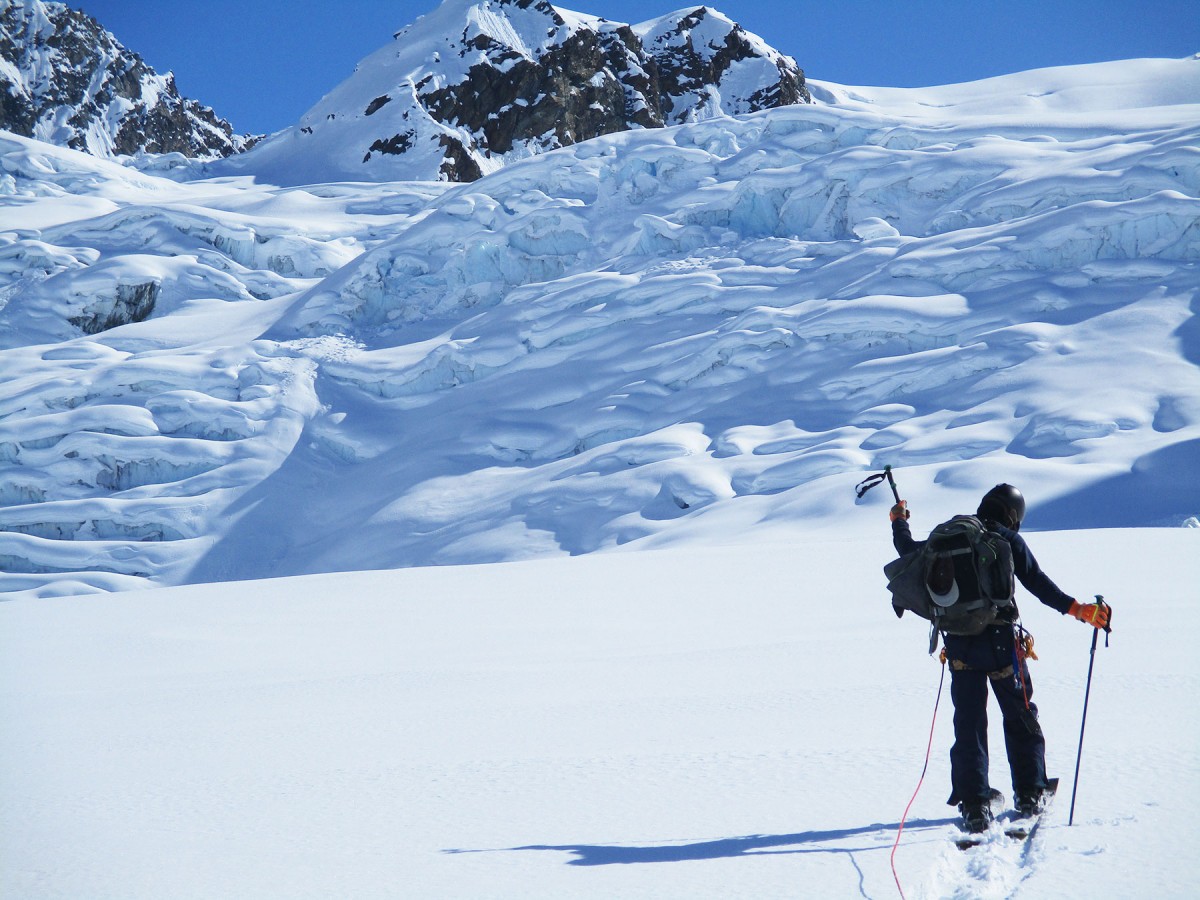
point(703, 721)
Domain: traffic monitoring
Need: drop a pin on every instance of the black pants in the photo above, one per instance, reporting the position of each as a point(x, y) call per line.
point(976, 662)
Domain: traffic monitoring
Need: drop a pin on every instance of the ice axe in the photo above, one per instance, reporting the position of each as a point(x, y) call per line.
point(878, 478)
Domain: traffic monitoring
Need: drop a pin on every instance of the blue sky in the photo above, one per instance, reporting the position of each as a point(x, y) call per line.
point(262, 63)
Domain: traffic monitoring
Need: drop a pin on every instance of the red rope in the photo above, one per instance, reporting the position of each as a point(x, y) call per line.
point(928, 750)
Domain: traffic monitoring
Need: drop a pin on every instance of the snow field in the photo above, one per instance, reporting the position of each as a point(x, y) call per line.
point(706, 721)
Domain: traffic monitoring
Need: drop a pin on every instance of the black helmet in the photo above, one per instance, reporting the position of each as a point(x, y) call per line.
point(1003, 504)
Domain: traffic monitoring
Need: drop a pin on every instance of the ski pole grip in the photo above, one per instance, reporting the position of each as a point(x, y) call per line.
point(1108, 624)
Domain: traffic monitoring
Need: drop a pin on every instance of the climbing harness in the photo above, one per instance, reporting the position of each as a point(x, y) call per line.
point(1022, 650)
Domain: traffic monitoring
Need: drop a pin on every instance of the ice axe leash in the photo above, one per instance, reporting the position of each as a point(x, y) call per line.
point(1086, 694)
point(878, 478)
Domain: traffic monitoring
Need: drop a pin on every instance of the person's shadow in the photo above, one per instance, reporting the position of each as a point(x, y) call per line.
point(723, 848)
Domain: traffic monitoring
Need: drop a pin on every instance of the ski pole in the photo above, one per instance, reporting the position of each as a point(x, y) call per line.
point(1086, 694)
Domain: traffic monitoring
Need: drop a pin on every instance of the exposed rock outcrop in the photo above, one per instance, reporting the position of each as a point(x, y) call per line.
point(709, 65)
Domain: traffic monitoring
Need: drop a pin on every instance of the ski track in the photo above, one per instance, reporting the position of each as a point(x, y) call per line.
point(995, 870)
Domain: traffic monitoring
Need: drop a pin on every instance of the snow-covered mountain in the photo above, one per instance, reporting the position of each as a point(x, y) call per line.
point(707, 329)
point(67, 81)
point(478, 83)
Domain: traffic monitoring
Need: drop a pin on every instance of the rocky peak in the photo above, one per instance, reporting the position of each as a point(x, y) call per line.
point(478, 83)
point(580, 83)
point(67, 81)
point(710, 66)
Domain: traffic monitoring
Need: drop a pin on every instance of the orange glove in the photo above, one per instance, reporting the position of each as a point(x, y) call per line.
point(899, 511)
point(1094, 614)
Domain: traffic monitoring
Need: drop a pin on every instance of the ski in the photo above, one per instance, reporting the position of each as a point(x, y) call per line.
point(1023, 829)
point(973, 839)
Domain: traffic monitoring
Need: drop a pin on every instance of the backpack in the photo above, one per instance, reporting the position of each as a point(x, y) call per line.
point(959, 579)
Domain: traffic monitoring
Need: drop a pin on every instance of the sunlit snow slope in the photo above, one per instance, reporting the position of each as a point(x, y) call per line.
point(696, 722)
point(646, 337)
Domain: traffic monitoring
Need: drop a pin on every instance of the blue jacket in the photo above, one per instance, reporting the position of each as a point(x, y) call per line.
point(1025, 567)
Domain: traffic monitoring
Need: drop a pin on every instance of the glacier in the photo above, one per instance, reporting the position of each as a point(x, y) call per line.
point(705, 331)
